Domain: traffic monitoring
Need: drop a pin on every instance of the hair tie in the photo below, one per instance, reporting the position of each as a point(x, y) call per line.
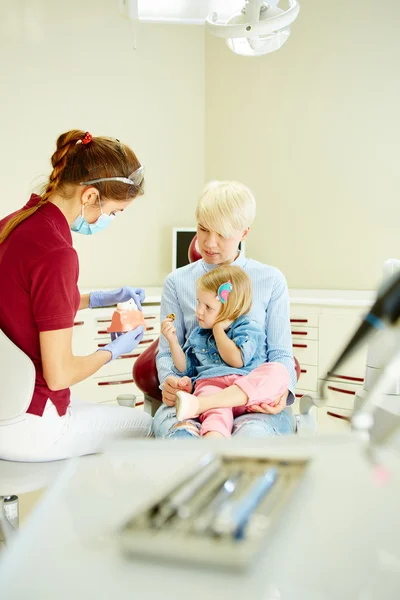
point(87, 138)
point(223, 291)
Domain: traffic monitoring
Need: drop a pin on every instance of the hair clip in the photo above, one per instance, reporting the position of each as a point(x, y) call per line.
point(223, 292)
point(87, 138)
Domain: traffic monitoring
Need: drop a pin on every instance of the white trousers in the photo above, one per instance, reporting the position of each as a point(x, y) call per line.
point(84, 429)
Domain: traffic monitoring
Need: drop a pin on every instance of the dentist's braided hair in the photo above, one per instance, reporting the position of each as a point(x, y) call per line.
point(79, 157)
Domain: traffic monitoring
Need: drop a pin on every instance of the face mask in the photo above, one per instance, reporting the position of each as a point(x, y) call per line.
point(80, 225)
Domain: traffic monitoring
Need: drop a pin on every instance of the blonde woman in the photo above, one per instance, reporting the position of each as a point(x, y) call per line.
point(224, 214)
point(226, 349)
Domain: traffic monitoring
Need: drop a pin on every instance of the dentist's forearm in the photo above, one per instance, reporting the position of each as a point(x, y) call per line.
point(85, 300)
point(76, 369)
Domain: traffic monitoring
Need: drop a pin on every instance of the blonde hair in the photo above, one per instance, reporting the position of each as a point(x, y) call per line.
point(226, 207)
point(239, 300)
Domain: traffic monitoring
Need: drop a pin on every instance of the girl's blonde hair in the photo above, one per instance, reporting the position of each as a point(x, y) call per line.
point(239, 299)
point(226, 207)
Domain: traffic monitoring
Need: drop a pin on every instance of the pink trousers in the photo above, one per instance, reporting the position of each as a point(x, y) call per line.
point(265, 385)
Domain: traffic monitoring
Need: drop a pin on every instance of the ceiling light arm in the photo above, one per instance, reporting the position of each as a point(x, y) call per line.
point(263, 27)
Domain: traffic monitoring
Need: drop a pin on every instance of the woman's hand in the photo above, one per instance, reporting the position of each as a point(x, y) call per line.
point(124, 343)
point(112, 297)
point(270, 409)
point(172, 385)
point(168, 330)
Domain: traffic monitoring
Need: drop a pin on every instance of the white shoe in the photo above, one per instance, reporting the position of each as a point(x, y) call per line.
point(187, 406)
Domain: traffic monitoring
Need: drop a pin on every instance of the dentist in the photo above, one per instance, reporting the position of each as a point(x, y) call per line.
point(93, 179)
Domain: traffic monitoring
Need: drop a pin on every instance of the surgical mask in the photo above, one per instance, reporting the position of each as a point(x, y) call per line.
point(80, 225)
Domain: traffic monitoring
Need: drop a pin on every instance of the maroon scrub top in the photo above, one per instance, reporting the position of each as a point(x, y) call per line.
point(39, 271)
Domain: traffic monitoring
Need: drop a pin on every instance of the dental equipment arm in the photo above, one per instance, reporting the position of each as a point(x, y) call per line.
point(385, 311)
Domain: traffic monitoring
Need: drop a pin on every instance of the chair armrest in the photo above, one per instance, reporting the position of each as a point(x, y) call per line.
point(297, 367)
point(145, 372)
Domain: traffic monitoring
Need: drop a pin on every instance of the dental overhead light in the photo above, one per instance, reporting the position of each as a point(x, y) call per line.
point(250, 27)
point(258, 28)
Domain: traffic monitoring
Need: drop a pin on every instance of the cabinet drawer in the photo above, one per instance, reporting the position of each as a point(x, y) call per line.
point(304, 333)
point(334, 333)
point(119, 366)
point(145, 343)
point(149, 317)
point(139, 402)
point(308, 377)
point(108, 388)
point(345, 379)
point(341, 395)
point(81, 338)
point(306, 351)
point(89, 391)
point(303, 320)
point(101, 329)
point(333, 425)
point(299, 392)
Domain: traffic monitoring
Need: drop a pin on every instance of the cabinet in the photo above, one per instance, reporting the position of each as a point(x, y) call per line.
point(114, 378)
point(320, 328)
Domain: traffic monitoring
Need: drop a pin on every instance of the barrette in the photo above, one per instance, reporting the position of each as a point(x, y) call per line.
point(223, 291)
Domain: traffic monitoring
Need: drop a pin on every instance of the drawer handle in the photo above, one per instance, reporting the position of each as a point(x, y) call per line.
point(115, 382)
point(299, 320)
point(105, 330)
point(146, 341)
point(360, 379)
point(337, 416)
point(299, 345)
point(303, 370)
point(109, 320)
point(335, 389)
point(299, 332)
point(78, 323)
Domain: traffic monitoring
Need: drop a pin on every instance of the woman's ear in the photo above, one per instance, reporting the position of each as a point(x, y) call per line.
point(245, 234)
point(89, 195)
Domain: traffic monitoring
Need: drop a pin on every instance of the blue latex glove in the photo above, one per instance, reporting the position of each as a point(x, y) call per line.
point(112, 297)
point(124, 343)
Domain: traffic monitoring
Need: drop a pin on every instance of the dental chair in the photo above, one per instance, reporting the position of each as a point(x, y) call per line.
point(146, 378)
point(17, 377)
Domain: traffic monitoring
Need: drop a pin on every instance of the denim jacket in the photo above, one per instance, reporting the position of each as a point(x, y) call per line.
point(202, 356)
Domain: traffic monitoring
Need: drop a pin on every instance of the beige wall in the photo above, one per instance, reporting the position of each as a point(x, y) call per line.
point(314, 130)
point(72, 65)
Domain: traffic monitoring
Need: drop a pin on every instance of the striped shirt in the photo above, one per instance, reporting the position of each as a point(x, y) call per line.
point(270, 308)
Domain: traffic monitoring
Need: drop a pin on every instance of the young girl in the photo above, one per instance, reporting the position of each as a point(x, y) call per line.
point(226, 349)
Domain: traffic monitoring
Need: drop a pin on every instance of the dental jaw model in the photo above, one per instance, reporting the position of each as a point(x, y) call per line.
point(126, 317)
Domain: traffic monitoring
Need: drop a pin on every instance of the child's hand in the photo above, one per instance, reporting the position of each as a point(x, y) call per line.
point(223, 324)
point(168, 330)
